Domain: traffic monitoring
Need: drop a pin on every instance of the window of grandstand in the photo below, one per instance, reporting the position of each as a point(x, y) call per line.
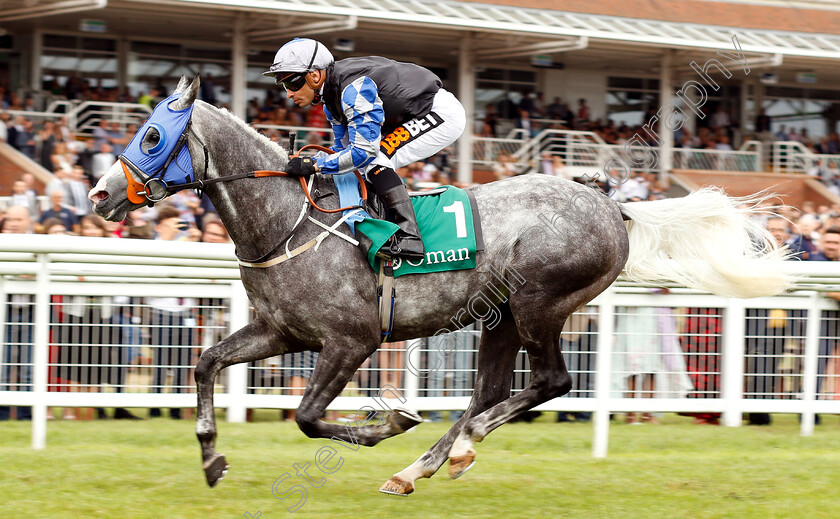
point(630, 98)
point(811, 109)
point(80, 56)
point(505, 88)
point(155, 65)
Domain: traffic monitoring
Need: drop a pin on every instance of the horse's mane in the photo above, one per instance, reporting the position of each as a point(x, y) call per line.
point(228, 116)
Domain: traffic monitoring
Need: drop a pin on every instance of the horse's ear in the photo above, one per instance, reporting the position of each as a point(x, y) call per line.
point(183, 83)
point(189, 92)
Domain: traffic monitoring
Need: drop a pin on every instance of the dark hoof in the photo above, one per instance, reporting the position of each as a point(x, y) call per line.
point(402, 420)
point(215, 469)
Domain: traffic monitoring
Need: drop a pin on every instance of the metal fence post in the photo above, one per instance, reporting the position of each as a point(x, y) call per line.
point(240, 312)
point(40, 354)
point(810, 364)
point(601, 420)
point(732, 363)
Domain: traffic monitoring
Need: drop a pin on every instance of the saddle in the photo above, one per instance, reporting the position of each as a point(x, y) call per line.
point(376, 208)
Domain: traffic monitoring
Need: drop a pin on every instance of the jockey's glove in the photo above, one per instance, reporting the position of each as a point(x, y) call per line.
point(300, 167)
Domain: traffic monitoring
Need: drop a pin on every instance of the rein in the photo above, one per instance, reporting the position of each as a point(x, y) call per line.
point(138, 193)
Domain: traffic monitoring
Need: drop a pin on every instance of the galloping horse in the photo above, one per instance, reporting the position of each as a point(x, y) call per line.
point(551, 246)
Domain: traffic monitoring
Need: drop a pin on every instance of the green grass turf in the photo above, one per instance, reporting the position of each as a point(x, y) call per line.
point(152, 469)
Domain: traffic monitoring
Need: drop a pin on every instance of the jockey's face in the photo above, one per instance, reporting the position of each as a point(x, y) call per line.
point(306, 94)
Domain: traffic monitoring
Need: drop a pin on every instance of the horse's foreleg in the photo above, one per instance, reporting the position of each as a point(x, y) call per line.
point(253, 342)
point(336, 364)
point(496, 358)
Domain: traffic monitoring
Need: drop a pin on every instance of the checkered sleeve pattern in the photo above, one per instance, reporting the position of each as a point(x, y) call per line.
point(359, 140)
point(339, 132)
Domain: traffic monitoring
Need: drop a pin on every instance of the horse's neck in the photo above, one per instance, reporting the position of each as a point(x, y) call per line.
point(258, 213)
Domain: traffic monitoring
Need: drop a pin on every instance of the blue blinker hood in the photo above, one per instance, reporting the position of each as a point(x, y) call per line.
point(158, 161)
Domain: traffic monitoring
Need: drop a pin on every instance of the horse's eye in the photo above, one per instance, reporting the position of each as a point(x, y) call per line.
point(153, 141)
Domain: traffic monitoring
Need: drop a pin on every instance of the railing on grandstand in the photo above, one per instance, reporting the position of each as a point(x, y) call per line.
point(303, 134)
point(93, 322)
point(747, 158)
point(795, 157)
point(84, 116)
point(586, 153)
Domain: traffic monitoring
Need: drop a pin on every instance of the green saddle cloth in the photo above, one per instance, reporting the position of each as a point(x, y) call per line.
point(447, 223)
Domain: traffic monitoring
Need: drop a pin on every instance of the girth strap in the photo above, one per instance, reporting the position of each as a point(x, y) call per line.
point(387, 295)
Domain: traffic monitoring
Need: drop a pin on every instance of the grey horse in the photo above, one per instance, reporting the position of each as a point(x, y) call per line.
point(551, 246)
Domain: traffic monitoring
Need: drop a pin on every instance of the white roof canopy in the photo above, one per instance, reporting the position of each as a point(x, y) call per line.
point(536, 22)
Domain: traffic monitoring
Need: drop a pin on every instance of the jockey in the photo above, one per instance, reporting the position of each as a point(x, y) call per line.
point(385, 115)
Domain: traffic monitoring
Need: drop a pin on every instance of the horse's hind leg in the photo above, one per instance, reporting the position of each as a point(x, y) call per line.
point(496, 357)
point(549, 379)
point(253, 342)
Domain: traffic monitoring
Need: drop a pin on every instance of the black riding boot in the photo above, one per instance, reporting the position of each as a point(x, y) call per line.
point(407, 242)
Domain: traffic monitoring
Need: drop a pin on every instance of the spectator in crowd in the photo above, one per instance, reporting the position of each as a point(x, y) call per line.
point(720, 119)
point(762, 122)
point(5, 122)
point(116, 338)
point(62, 130)
point(45, 140)
point(24, 137)
point(77, 189)
point(117, 139)
point(58, 210)
point(53, 226)
point(490, 121)
point(583, 114)
point(16, 373)
point(62, 158)
point(700, 342)
point(648, 358)
point(524, 123)
point(558, 110)
point(829, 245)
point(102, 134)
point(803, 244)
point(215, 232)
point(768, 332)
point(552, 164)
point(208, 89)
point(173, 326)
point(818, 170)
point(24, 197)
point(150, 98)
point(57, 183)
point(102, 161)
point(505, 166)
point(578, 342)
point(636, 188)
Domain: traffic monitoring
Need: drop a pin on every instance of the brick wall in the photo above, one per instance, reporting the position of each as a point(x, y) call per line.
point(793, 189)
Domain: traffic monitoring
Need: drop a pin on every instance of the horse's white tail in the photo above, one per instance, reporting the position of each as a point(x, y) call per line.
point(707, 241)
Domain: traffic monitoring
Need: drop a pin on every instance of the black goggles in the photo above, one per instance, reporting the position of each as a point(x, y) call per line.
point(293, 82)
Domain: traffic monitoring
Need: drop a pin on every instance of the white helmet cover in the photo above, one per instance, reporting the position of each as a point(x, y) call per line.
point(300, 55)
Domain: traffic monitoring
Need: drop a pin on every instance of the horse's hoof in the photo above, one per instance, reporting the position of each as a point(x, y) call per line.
point(397, 486)
point(402, 420)
point(460, 464)
point(215, 469)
